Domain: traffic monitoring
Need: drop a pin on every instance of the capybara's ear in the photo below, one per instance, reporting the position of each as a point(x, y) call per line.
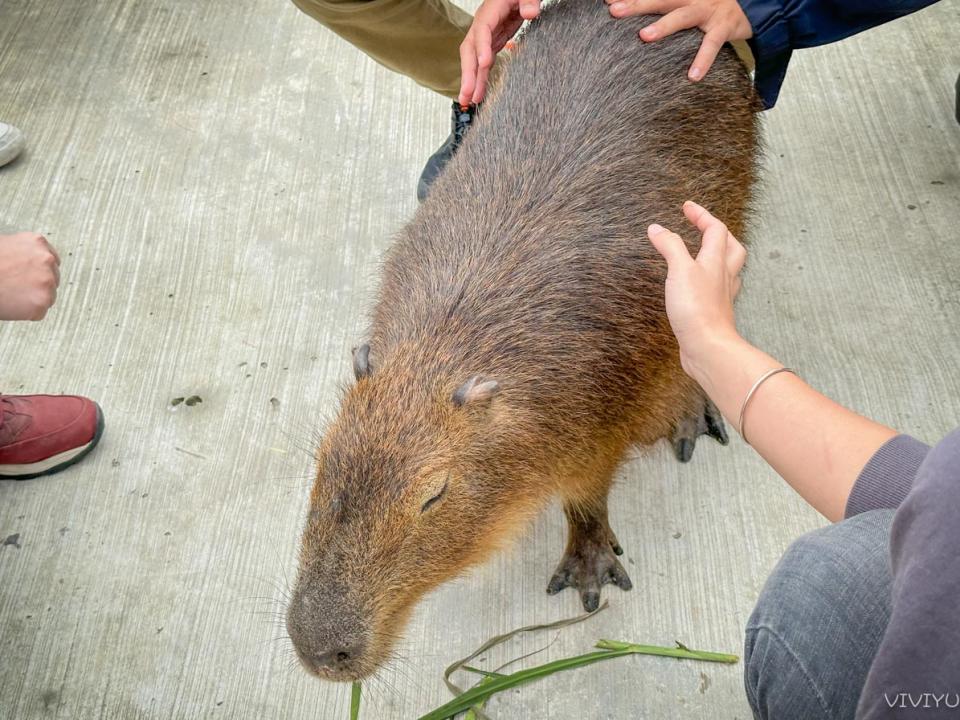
point(475, 390)
point(361, 361)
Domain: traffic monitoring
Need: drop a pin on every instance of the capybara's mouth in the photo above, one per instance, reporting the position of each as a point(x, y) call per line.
point(338, 675)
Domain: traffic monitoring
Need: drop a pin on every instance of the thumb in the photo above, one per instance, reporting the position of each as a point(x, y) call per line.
point(529, 9)
point(669, 245)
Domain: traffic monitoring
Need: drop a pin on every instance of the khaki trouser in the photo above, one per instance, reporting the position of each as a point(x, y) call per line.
point(418, 38)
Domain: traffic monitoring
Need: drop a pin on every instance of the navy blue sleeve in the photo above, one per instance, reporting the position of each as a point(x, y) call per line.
point(782, 26)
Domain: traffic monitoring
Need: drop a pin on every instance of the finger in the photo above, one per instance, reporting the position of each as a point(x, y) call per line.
point(481, 90)
point(669, 245)
point(736, 255)
point(629, 8)
point(698, 215)
point(709, 48)
point(529, 9)
point(651, 7)
point(713, 244)
point(679, 19)
point(483, 39)
point(468, 71)
point(51, 249)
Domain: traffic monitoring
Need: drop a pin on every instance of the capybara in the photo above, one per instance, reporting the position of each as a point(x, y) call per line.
point(519, 345)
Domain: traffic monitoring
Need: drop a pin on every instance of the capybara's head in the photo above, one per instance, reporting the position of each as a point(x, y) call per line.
point(412, 489)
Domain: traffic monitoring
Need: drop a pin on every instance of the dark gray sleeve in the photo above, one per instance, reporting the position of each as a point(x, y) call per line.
point(920, 650)
point(888, 476)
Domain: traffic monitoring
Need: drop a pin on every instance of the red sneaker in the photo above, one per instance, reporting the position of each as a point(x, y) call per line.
point(43, 434)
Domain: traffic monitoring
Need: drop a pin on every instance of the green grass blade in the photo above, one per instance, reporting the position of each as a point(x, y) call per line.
point(355, 701)
point(499, 639)
point(491, 686)
point(484, 690)
point(681, 651)
point(476, 712)
point(487, 673)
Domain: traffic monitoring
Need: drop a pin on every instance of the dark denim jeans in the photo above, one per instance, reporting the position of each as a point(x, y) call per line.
point(818, 623)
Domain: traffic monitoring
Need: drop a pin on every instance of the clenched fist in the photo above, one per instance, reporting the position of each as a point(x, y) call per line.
point(29, 276)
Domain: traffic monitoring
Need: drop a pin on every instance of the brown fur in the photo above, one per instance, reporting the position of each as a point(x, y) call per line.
point(527, 266)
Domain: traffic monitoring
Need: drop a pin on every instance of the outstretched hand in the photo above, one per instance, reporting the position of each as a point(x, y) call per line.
point(495, 22)
point(29, 276)
point(720, 20)
point(700, 292)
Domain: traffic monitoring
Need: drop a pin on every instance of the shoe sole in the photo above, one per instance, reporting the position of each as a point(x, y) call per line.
point(11, 151)
point(55, 463)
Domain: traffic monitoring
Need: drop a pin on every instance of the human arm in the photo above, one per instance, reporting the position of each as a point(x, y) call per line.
point(29, 276)
point(815, 444)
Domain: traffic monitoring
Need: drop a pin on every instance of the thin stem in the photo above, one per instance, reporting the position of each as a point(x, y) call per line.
point(355, 701)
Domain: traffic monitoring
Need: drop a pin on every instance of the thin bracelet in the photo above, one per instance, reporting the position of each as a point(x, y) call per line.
point(760, 381)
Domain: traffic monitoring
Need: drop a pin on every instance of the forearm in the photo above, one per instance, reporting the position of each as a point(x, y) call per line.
point(816, 445)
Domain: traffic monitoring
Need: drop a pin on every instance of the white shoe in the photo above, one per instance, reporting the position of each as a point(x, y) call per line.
point(11, 143)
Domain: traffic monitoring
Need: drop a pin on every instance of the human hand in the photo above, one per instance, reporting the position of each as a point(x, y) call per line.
point(29, 276)
point(700, 292)
point(495, 22)
point(720, 20)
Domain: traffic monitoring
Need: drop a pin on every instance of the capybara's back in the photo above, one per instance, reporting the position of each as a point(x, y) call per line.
point(529, 262)
point(519, 345)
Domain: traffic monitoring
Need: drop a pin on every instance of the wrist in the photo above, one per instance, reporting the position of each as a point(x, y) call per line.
point(704, 363)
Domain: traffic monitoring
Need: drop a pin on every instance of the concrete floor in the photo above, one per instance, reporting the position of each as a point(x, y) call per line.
point(220, 179)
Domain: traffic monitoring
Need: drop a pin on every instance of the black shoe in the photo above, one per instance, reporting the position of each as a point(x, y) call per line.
point(462, 120)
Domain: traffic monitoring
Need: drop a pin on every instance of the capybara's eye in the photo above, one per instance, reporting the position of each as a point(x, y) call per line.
point(429, 503)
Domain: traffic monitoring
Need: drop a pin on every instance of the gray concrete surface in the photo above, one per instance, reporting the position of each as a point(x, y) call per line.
point(221, 179)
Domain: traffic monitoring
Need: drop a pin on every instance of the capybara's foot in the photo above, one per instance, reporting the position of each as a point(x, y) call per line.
point(709, 422)
point(589, 563)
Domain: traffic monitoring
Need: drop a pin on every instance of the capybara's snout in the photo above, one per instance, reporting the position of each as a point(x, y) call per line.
point(330, 639)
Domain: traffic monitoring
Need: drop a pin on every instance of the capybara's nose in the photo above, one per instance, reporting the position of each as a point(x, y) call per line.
point(336, 659)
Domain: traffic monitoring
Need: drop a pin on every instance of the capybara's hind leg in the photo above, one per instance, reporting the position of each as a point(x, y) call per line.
point(707, 421)
point(590, 560)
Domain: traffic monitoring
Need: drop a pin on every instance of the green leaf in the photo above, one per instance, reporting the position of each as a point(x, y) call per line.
point(355, 701)
point(681, 651)
point(610, 649)
point(494, 641)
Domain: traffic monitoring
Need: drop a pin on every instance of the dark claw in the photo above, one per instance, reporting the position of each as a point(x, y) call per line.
point(715, 425)
point(689, 429)
point(558, 582)
point(683, 448)
point(617, 550)
point(588, 566)
point(621, 579)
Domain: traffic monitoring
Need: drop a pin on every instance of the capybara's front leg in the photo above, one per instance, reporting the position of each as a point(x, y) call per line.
point(706, 421)
point(590, 560)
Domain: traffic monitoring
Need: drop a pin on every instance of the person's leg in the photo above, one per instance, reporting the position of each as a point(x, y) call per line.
point(417, 38)
point(44, 434)
point(819, 621)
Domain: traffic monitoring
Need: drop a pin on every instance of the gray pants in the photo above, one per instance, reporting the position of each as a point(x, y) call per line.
point(818, 623)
